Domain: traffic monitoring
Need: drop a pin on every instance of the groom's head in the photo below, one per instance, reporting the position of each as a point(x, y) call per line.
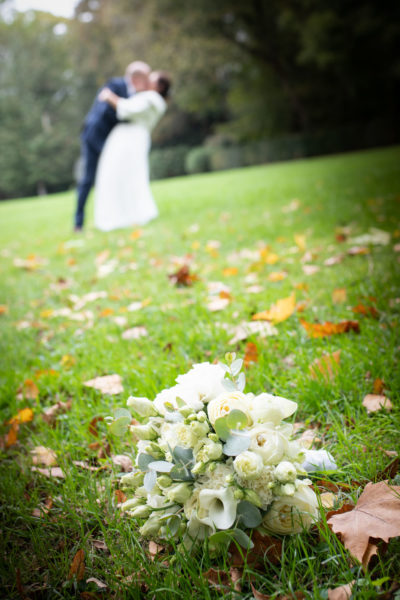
point(138, 72)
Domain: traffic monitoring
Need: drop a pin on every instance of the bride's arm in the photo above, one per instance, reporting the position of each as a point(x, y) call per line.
point(106, 95)
point(128, 109)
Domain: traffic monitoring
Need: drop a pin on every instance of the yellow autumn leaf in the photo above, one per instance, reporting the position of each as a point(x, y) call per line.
point(280, 311)
point(300, 240)
point(277, 276)
point(23, 416)
point(67, 361)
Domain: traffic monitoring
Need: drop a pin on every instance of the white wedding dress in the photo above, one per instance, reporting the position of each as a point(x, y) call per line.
point(122, 189)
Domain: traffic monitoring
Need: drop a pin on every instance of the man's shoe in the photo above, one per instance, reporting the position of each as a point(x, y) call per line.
point(78, 228)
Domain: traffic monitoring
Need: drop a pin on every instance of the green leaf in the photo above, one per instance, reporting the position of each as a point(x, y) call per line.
point(243, 539)
point(120, 426)
point(236, 443)
point(236, 366)
point(248, 514)
point(144, 460)
point(241, 382)
point(183, 456)
point(150, 480)
point(229, 385)
point(221, 428)
point(122, 412)
point(236, 419)
point(181, 473)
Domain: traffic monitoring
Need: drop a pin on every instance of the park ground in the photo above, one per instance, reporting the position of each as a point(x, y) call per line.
point(321, 234)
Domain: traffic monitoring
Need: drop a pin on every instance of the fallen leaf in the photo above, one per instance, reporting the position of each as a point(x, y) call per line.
point(277, 276)
point(3, 309)
point(265, 546)
point(49, 415)
point(309, 437)
point(77, 568)
point(67, 361)
point(280, 311)
point(183, 277)
point(374, 402)
point(106, 312)
point(316, 330)
point(343, 592)
point(120, 496)
point(250, 354)
point(254, 289)
point(134, 333)
point(379, 386)
point(100, 545)
point(374, 236)
point(328, 500)
point(85, 465)
point(136, 234)
point(93, 425)
point(258, 595)
point(102, 257)
point(356, 250)
point(368, 311)
point(31, 263)
point(46, 373)
point(230, 271)
point(43, 509)
point(50, 472)
point(244, 330)
point(108, 384)
point(216, 304)
point(11, 437)
point(339, 295)
point(28, 390)
point(155, 549)
point(123, 461)
point(376, 515)
point(310, 269)
point(25, 415)
point(43, 456)
point(326, 366)
point(292, 206)
point(333, 260)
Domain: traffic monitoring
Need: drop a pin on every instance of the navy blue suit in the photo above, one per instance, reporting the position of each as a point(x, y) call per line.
point(98, 123)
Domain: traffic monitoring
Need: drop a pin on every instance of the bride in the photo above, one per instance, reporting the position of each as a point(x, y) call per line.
point(122, 189)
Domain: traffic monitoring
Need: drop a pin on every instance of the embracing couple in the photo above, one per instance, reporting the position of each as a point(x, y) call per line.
point(115, 147)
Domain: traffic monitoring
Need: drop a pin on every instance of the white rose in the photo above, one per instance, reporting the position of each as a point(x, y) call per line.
point(248, 465)
point(144, 432)
point(176, 434)
point(285, 472)
point(269, 443)
point(205, 379)
point(266, 408)
point(224, 403)
point(180, 492)
point(292, 514)
point(318, 460)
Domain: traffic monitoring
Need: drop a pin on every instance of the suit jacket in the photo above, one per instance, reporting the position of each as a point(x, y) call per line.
point(101, 117)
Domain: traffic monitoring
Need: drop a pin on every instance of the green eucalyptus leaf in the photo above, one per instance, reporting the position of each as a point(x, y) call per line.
point(241, 382)
point(144, 460)
point(229, 385)
point(236, 419)
point(248, 514)
point(161, 466)
point(122, 412)
point(183, 456)
point(120, 426)
point(236, 366)
point(243, 539)
point(221, 428)
point(150, 480)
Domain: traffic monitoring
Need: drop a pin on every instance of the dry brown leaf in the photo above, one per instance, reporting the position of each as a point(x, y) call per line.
point(100, 545)
point(374, 402)
point(310, 269)
point(215, 304)
point(328, 500)
point(356, 250)
point(28, 390)
point(280, 311)
point(100, 584)
point(102, 257)
point(339, 295)
point(108, 384)
point(326, 366)
point(123, 461)
point(183, 277)
point(376, 515)
point(49, 415)
point(155, 549)
point(309, 437)
point(333, 260)
point(44, 508)
point(93, 425)
point(258, 595)
point(277, 276)
point(50, 472)
point(230, 271)
point(265, 546)
point(244, 330)
point(11, 437)
point(25, 415)
point(120, 496)
point(379, 386)
point(343, 592)
point(85, 465)
point(316, 330)
point(135, 333)
point(368, 311)
point(43, 456)
point(250, 354)
point(77, 568)
point(106, 312)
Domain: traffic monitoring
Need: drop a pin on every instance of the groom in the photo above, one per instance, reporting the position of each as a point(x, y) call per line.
point(97, 125)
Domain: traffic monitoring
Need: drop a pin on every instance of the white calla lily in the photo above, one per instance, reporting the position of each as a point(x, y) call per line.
point(217, 508)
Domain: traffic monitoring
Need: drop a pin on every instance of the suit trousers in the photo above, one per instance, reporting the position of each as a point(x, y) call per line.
point(90, 159)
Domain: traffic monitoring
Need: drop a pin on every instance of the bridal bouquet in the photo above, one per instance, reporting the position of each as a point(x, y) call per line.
point(213, 461)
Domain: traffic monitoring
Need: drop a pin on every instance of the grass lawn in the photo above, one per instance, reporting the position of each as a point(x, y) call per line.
point(234, 228)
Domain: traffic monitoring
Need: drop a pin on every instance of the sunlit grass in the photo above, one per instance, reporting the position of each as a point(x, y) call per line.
point(241, 209)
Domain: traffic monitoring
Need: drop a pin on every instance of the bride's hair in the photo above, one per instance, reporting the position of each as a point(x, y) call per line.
point(163, 83)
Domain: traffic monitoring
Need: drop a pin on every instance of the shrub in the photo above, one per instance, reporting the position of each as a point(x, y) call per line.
point(168, 162)
point(198, 160)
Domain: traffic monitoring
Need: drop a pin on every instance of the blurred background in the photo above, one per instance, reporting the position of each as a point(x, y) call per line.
point(254, 82)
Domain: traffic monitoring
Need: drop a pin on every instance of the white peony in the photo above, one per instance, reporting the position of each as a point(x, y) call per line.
point(292, 514)
point(142, 406)
point(266, 408)
point(262, 486)
point(209, 451)
point(270, 443)
point(176, 434)
point(224, 403)
point(248, 465)
point(205, 379)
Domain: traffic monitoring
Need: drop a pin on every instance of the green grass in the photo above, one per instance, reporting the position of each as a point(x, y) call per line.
point(241, 209)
